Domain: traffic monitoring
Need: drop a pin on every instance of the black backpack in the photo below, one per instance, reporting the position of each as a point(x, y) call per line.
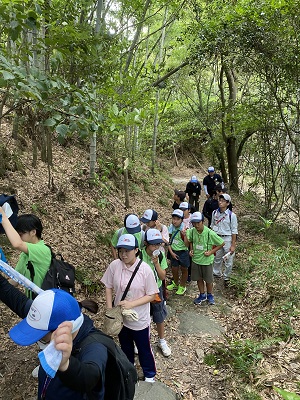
point(60, 275)
point(120, 374)
point(11, 200)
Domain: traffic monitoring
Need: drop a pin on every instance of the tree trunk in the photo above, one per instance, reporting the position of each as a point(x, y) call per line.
point(156, 114)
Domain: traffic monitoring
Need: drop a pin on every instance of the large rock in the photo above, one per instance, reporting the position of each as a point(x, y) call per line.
point(153, 391)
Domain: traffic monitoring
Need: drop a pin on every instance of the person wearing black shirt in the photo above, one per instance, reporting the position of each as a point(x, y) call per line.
point(211, 181)
point(193, 190)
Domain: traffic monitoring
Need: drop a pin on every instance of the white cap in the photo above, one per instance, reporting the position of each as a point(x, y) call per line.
point(184, 206)
point(132, 224)
point(177, 213)
point(128, 242)
point(196, 217)
point(153, 236)
point(225, 197)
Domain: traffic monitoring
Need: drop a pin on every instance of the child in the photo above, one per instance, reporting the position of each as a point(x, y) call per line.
point(158, 264)
point(56, 315)
point(141, 292)
point(150, 219)
point(186, 207)
point(209, 206)
point(201, 241)
point(224, 223)
point(132, 226)
point(193, 190)
point(27, 237)
point(179, 253)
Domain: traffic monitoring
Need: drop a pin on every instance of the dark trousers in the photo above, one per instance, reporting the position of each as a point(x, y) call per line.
point(127, 337)
point(194, 201)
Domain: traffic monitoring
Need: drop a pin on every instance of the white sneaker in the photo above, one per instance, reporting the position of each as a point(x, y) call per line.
point(150, 380)
point(135, 349)
point(35, 372)
point(165, 349)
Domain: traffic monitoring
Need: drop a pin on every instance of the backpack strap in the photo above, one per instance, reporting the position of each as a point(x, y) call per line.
point(120, 232)
point(130, 280)
point(173, 237)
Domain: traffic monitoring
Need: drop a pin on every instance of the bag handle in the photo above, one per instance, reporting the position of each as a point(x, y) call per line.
point(130, 280)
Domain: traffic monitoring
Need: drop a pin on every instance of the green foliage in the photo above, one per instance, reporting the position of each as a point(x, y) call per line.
point(210, 359)
point(104, 238)
point(287, 395)
point(91, 286)
point(243, 357)
point(248, 394)
point(37, 208)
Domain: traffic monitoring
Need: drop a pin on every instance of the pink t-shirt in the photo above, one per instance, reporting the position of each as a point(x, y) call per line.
point(117, 276)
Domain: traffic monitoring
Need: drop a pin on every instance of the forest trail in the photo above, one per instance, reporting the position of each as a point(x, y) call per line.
point(190, 331)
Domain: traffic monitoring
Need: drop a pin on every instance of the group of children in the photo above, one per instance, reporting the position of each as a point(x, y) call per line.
point(187, 242)
point(143, 245)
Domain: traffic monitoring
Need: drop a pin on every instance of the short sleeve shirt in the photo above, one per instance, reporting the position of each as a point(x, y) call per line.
point(203, 242)
point(224, 223)
point(117, 276)
point(177, 242)
point(40, 256)
point(163, 264)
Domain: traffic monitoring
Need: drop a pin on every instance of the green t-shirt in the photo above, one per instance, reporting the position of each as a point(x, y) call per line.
point(203, 242)
point(163, 264)
point(177, 242)
point(40, 256)
point(123, 231)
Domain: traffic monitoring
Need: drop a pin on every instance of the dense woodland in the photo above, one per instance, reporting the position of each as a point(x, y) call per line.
point(140, 79)
point(99, 98)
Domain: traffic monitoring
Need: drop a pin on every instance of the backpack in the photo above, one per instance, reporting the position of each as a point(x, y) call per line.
point(120, 374)
point(60, 275)
point(11, 200)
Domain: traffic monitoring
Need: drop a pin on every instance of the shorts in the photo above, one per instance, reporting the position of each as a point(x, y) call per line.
point(184, 259)
point(204, 272)
point(158, 311)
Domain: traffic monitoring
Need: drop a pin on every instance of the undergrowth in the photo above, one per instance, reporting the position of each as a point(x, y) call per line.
point(266, 277)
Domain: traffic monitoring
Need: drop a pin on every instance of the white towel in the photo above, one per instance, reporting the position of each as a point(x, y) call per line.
point(50, 358)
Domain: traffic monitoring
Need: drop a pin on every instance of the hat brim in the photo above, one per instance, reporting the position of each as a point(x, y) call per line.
point(125, 246)
point(136, 229)
point(155, 241)
point(145, 220)
point(24, 335)
point(183, 209)
point(196, 220)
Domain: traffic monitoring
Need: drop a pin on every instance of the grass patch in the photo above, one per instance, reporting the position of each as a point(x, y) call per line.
point(104, 238)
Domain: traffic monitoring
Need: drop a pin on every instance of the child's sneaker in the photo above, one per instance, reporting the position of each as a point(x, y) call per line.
point(150, 380)
point(202, 297)
point(181, 290)
point(165, 349)
point(172, 286)
point(210, 299)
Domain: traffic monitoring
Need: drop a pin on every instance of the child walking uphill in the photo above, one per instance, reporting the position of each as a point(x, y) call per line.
point(201, 240)
point(179, 253)
point(158, 264)
point(141, 292)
